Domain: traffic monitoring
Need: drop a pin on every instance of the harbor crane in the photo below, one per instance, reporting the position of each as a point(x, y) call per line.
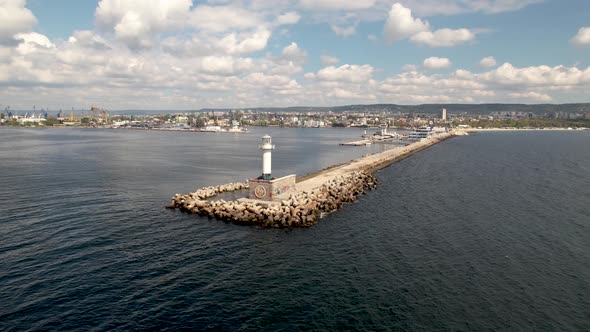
point(101, 113)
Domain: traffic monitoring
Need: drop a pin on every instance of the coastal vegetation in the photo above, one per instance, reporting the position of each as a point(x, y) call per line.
point(49, 122)
point(524, 123)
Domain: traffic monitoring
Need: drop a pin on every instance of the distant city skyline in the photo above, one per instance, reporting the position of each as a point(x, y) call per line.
point(182, 54)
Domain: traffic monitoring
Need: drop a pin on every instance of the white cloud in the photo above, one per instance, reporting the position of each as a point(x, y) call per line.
point(327, 60)
point(216, 62)
point(337, 4)
point(288, 18)
point(507, 74)
point(454, 7)
point(347, 73)
point(87, 38)
point(582, 38)
point(530, 96)
point(224, 65)
point(294, 53)
point(137, 22)
point(409, 68)
point(436, 63)
point(14, 18)
point(350, 94)
point(400, 24)
point(487, 62)
point(224, 18)
point(443, 37)
point(35, 38)
point(243, 42)
point(230, 44)
point(343, 31)
point(499, 6)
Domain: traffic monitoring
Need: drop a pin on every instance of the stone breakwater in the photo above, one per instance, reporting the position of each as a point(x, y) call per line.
point(323, 192)
point(300, 209)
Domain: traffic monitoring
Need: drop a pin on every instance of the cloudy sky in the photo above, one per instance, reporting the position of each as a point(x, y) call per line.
point(183, 54)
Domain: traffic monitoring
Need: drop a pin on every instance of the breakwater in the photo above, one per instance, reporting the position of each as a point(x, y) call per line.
point(300, 209)
point(325, 192)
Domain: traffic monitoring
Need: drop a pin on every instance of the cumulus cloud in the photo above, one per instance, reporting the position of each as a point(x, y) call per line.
point(443, 37)
point(336, 4)
point(89, 39)
point(14, 18)
point(294, 53)
point(177, 62)
point(327, 60)
point(530, 96)
point(224, 18)
point(499, 6)
point(507, 74)
point(350, 94)
point(343, 31)
point(35, 38)
point(288, 18)
point(136, 22)
point(346, 73)
point(224, 65)
point(487, 62)
point(400, 24)
point(436, 63)
point(582, 38)
point(409, 68)
point(454, 7)
point(243, 42)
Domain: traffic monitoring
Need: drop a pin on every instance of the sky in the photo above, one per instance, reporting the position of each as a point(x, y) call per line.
point(186, 55)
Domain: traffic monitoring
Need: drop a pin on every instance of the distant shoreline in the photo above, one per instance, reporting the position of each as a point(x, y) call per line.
point(470, 130)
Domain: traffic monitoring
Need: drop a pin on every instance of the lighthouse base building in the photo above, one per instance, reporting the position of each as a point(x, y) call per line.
point(268, 190)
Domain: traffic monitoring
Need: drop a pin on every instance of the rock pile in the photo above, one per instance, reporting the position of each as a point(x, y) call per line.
point(301, 209)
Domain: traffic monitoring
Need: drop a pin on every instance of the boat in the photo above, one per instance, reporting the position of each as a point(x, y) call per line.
point(211, 129)
point(235, 128)
point(420, 133)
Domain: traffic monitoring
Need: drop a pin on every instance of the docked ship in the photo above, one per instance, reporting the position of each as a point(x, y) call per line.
point(420, 133)
point(235, 128)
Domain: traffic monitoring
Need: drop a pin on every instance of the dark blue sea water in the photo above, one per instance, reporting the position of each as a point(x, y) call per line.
point(484, 232)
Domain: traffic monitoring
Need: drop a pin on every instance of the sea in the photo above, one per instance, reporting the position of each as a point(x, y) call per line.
point(489, 231)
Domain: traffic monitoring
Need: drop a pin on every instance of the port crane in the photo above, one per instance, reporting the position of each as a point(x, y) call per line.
point(100, 113)
point(8, 112)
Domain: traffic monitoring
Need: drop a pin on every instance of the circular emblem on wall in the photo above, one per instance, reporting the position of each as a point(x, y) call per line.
point(260, 191)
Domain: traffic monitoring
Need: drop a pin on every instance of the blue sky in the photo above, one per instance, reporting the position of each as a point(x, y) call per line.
point(178, 54)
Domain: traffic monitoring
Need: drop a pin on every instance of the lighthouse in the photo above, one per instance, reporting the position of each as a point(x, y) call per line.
point(266, 148)
point(265, 187)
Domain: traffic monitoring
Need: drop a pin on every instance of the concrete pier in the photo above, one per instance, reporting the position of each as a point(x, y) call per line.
point(321, 193)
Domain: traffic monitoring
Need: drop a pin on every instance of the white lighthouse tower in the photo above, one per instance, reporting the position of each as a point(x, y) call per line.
point(265, 187)
point(266, 148)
